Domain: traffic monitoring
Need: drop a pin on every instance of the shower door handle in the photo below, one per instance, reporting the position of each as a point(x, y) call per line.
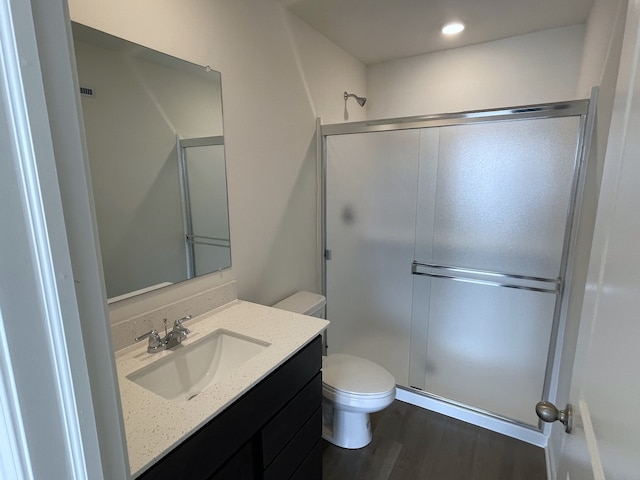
point(485, 277)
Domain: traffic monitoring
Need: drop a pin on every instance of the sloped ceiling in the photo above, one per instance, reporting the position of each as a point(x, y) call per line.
point(379, 30)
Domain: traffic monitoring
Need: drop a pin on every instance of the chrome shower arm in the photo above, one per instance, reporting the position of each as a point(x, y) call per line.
point(361, 100)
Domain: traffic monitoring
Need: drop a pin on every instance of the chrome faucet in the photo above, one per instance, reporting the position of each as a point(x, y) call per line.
point(179, 328)
point(177, 333)
point(155, 342)
point(170, 340)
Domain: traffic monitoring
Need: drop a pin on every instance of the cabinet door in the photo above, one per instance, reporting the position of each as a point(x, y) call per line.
point(311, 467)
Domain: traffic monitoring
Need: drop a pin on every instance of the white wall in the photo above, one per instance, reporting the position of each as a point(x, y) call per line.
point(600, 61)
point(534, 68)
point(328, 72)
point(269, 126)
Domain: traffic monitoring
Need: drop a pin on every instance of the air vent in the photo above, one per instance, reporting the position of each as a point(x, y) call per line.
point(87, 91)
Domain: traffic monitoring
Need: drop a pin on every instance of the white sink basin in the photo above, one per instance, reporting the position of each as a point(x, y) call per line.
point(190, 369)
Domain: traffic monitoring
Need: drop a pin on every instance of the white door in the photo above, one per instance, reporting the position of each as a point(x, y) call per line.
point(606, 379)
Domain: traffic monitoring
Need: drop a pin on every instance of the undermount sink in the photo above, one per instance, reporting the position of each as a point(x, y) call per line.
point(189, 369)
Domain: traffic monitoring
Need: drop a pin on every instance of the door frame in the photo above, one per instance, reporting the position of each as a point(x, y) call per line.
point(57, 371)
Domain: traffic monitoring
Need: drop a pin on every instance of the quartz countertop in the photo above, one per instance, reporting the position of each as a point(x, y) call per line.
point(154, 425)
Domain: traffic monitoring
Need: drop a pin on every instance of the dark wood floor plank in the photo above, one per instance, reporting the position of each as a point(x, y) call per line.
point(339, 464)
point(384, 448)
point(455, 456)
point(375, 459)
point(382, 462)
point(421, 443)
point(410, 443)
point(492, 457)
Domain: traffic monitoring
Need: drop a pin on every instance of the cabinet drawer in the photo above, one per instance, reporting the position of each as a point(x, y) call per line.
point(238, 467)
point(295, 452)
point(290, 419)
point(311, 467)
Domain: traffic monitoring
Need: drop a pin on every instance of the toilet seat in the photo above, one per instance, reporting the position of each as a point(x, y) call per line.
point(357, 378)
point(329, 390)
point(358, 403)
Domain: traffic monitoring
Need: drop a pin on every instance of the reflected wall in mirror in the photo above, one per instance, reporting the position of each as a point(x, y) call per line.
point(155, 141)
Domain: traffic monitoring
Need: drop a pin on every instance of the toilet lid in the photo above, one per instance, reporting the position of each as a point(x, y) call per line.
point(356, 375)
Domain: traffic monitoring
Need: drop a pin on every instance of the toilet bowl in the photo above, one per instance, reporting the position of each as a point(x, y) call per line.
point(352, 387)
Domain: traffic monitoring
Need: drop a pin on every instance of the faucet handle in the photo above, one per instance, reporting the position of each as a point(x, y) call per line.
point(178, 322)
point(155, 342)
point(153, 334)
point(177, 325)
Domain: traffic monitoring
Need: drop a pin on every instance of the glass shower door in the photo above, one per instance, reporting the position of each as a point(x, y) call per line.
point(492, 222)
point(485, 347)
point(370, 233)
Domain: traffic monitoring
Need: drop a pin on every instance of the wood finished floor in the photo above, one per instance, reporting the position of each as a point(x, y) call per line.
point(410, 443)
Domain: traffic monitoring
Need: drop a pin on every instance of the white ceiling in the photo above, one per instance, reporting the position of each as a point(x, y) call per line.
point(379, 30)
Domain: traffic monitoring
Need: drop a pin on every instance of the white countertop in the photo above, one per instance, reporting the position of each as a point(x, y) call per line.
point(155, 425)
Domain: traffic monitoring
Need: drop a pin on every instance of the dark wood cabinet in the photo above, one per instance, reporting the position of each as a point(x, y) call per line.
point(271, 433)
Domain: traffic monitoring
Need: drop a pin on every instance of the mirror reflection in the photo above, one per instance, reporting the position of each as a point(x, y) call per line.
point(155, 141)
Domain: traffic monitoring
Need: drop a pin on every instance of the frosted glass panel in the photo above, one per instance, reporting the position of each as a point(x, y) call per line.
point(371, 206)
point(208, 190)
point(486, 346)
point(503, 195)
point(209, 258)
point(427, 187)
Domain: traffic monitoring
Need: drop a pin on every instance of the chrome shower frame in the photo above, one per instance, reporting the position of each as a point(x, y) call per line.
point(585, 109)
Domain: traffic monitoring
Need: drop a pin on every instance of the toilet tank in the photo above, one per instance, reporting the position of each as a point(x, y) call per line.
point(306, 303)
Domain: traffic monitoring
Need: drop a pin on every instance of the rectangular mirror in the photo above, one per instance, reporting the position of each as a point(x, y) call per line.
point(155, 140)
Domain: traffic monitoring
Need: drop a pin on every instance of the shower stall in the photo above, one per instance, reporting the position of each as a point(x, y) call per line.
point(447, 241)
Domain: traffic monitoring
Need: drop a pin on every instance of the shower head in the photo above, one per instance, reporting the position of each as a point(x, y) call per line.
point(361, 100)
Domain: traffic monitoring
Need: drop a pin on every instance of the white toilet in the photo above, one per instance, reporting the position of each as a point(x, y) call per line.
point(352, 387)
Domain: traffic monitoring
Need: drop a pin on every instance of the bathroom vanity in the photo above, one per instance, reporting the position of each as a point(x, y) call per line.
point(261, 419)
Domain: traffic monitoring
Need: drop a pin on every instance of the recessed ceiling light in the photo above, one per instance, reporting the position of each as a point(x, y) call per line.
point(452, 28)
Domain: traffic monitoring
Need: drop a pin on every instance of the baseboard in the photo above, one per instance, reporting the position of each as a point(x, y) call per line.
point(549, 456)
point(475, 418)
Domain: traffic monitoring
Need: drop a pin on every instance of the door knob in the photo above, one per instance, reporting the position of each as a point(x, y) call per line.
point(548, 412)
